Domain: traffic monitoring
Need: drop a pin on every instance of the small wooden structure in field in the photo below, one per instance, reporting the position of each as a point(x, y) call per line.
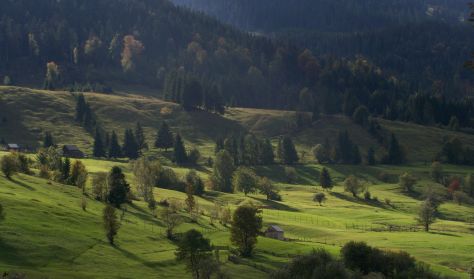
point(72, 151)
point(275, 232)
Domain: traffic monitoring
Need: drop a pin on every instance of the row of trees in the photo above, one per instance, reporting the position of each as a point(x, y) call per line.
point(192, 93)
point(247, 150)
point(109, 146)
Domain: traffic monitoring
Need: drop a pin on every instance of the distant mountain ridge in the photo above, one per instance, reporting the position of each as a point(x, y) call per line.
point(327, 15)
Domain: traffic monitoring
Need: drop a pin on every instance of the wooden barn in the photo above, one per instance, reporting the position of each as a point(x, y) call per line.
point(72, 151)
point(13, 147)
point(275, 232)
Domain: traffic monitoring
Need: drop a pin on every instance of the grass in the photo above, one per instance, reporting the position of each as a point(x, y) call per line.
point(27, 114)
point(47, 233)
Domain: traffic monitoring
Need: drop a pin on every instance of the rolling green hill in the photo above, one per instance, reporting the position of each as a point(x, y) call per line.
point(46, 233)
point(27, 114)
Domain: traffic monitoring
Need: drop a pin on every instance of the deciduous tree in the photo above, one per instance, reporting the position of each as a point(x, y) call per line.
point(246, 225)
point(194, 250)
point(244, 180)
point(353, 185)
point(426, 214)
point(223, 171)
point(111, 223)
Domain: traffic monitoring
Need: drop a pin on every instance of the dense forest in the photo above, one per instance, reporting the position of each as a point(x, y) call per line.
point(195, 60)
point(328, 15)
point(422, 42)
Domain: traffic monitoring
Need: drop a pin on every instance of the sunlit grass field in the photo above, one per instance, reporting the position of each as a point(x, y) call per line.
point(46, 233)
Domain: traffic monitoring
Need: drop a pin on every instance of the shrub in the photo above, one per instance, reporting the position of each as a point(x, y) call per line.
point(353, 185)
point(9, 165)
point(462, 198)
point(407, 181)
point(169, 180)
point(194, 156)
point(320, 198)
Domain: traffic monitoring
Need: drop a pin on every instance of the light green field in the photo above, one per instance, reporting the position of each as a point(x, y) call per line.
point(46, 233)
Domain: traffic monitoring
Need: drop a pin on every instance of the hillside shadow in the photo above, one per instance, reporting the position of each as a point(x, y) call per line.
point(277, 205)
point(11, 255)
point(209, 125)
point(360, 201)
point(444, 233)
point(138, 259)
point(19, 183)
point(12, 127)
point(306, 175)
point(143, 214)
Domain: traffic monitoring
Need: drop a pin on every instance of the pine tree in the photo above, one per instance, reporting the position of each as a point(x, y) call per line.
point(119, 188)
point(107, 141)
point(266, 153)
point(280, 153)
point(99, 149)
point(140, 137)
point(164, 139)
point(114, 148)
point(48, 140)
point(89, 121)
point(180, 156)
point(290, 156)
point(395, 152)
point(325, 179)
point(130, 146)
point(80, 108)
point(66, 170)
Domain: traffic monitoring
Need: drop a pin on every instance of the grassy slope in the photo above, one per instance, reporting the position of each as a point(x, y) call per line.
point(46, 232)
point(32, 112)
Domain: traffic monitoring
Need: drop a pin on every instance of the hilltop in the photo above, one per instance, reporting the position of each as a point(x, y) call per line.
point(29, 113)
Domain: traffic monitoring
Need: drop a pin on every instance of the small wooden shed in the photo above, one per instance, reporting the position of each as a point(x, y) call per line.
point(13, 147)
point(275, 232)
point(72, 151)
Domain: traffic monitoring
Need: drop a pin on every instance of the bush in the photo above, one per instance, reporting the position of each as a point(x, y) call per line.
point(462, 198)
point(318, 264)
point(353, 185)
point(407, 181)
point(9, 165)
point(320, 198)
point(320, 153)
point(194, 156)
point(193, 179)
point(169, 180)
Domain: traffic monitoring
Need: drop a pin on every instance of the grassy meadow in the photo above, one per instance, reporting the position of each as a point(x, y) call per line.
point(47, 234)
